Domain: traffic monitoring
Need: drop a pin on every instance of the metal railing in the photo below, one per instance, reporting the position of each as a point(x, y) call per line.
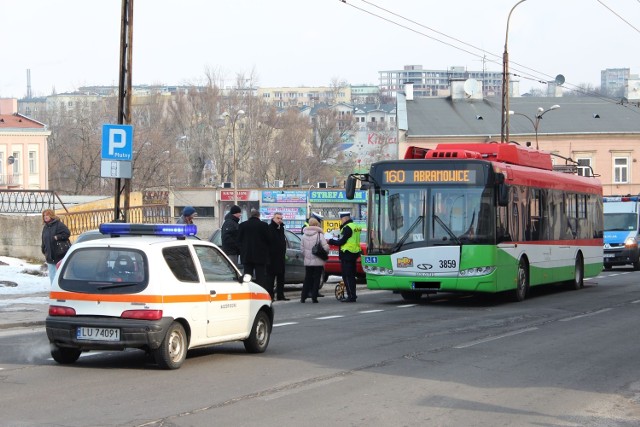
point(79, 222)
point(27, 201)
point(11, 179)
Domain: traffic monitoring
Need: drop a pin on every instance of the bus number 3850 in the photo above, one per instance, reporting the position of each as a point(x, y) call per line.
point(447, 263)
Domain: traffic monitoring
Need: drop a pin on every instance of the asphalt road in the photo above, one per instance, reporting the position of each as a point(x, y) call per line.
point(560, 358)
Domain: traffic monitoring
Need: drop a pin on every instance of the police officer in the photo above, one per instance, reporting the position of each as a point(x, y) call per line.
point(349, 242)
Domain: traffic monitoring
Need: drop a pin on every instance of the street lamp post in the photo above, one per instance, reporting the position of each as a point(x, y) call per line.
point(234, 119)
point(541, 112)
point(504, 133)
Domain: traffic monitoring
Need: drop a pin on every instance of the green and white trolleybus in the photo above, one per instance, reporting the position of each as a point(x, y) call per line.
point(479, 218)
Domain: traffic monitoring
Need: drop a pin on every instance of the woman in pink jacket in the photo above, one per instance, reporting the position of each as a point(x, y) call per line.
point(313, 265)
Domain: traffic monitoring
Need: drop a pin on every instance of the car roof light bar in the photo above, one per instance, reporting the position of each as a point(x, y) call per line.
point(123, 228)
point(621, 199)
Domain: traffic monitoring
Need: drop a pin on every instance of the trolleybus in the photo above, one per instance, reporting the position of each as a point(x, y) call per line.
point(479, 218)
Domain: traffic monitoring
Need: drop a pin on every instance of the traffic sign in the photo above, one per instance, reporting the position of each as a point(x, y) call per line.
point(115, 169)
point(117, 142)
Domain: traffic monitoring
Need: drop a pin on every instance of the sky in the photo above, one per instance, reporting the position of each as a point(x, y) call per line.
point(72, 43)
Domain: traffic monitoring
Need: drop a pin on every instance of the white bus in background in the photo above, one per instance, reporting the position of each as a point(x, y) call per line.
point(621, 231)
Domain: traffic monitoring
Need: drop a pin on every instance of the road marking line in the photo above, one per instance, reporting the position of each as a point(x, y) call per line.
point(407, 305)
point(370, 311)
point(472, 343)
point(329, 317)
point(584, 315)
point(275, 325)
point(635, 302)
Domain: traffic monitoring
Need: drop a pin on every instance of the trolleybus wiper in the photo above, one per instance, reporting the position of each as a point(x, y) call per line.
point(447, 229)
point(405, 236)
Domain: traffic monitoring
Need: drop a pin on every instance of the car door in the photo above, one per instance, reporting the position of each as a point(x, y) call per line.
point(294, 261)
point(229, 300)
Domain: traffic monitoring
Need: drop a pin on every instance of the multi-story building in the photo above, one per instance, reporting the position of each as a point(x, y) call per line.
point(23, 149)
point(365, 94)
point(430, 83)
point(287, 97)
point(613, 81)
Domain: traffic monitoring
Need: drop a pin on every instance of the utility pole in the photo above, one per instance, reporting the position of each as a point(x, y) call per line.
point(124, 101)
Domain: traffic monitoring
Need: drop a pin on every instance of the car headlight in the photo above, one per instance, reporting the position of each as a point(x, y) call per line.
point(630, 243)
point(477, 271)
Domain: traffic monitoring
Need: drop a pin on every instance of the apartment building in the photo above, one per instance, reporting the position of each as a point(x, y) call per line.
point(288, 97)
point(23, 149)
point(613, 81)
point(430, 83)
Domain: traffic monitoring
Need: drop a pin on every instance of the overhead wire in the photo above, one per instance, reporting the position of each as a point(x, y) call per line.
point(618, 15)
point(523, 74)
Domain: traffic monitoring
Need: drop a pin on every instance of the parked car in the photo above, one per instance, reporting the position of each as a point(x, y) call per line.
point(332, 266)
point(293, 262)
point(150, 288)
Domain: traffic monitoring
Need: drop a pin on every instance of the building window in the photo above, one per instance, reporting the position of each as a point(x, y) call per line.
point(584, 166)
point(621, 170)
point(16, 163)
point(33, 164)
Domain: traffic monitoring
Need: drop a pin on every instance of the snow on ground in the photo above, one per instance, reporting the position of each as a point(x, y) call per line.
point(29, 287)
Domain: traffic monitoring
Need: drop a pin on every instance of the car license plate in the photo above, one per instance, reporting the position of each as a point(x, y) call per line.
point(609, 255)
point(98, 334)
point(333, 253)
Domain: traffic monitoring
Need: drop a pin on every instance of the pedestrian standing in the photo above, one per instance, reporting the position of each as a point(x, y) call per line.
point(313, 266)
point(278, 253)
point(53, 231)
point(229, 231)
point(255, 241)
point(349, 242)
point(188, 213)
point(315, 215)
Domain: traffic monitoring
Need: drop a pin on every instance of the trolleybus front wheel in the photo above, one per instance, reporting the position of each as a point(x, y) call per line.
point(522, 285)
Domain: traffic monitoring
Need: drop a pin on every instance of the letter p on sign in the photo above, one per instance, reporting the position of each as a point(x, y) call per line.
point(117, 142)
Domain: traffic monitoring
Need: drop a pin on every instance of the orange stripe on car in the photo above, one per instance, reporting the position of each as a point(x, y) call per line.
point(158, 299)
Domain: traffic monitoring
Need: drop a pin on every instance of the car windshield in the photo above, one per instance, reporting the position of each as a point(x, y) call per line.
point(620, 221)
point(104, 270)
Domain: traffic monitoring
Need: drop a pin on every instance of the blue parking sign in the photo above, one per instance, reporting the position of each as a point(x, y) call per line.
point(117, 142)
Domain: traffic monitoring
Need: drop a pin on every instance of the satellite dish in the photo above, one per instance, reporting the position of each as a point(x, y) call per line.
point(559, 79)
point(470, 87)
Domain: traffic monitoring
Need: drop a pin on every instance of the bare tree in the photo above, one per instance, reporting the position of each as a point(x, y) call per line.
point(331, 127)
point(75, 147)
point(194, 124)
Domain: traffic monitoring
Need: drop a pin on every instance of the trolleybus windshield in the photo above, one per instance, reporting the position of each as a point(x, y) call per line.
point(440, 203)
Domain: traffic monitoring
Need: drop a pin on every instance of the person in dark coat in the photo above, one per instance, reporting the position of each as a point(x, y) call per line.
point(188, 213)
point(230, 244)
point(53, 231)
point(255, 241)
point(278, 252)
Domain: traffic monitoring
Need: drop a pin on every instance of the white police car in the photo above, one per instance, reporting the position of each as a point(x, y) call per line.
point(157, 291)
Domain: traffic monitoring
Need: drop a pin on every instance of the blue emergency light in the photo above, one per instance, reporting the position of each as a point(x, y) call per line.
point(621, 199)
point(123, 228)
